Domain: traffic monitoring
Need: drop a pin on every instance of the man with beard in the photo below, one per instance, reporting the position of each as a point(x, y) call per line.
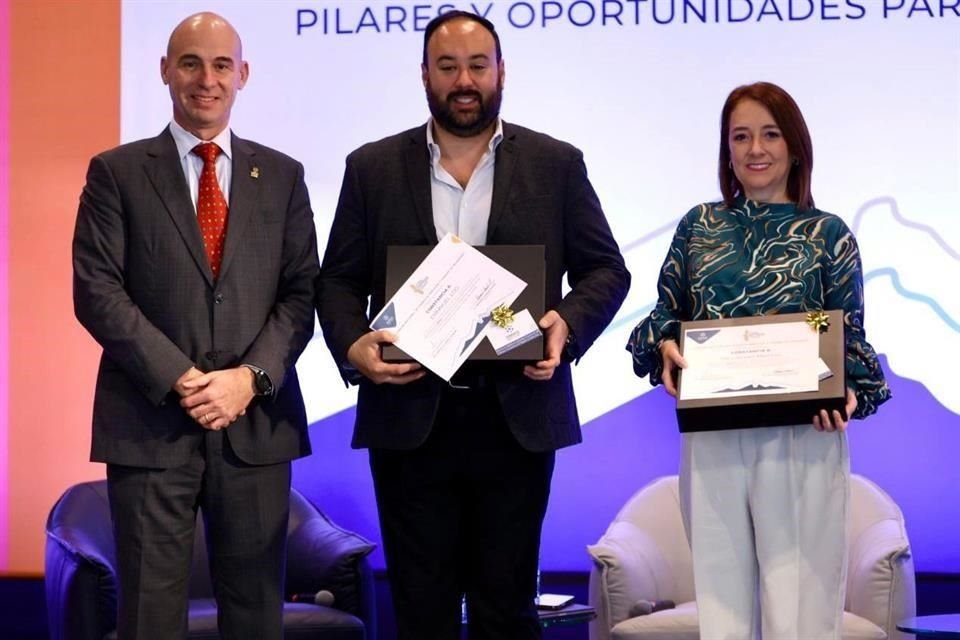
point(462, 470)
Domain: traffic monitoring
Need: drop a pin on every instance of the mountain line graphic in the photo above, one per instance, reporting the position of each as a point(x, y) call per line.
point(912, 295)
point(895, 210)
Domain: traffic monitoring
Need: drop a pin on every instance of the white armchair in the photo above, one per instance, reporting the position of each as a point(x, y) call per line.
point(644, 555)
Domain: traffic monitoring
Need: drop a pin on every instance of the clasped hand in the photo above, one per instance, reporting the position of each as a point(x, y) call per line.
point(215, 399)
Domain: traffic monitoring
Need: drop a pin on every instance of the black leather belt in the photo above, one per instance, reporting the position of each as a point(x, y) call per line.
point(473, 377)
point(470, 382)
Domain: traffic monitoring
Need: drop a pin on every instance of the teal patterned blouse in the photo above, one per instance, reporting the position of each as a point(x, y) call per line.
point(761, 259)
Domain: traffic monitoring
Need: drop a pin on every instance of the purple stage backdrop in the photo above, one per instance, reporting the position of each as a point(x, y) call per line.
point(909, 448)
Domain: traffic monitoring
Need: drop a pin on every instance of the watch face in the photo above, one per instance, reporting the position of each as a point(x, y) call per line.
point(262, 382)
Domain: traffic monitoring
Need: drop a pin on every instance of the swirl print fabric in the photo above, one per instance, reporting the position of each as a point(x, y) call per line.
point(761, 259)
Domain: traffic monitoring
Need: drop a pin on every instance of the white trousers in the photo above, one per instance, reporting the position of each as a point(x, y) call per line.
point(765, 512)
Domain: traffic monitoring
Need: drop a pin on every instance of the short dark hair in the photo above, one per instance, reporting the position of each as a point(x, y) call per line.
point(449, 16)
point(787, 115)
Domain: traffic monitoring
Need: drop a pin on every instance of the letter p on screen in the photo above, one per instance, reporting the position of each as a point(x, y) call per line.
point(306, 18)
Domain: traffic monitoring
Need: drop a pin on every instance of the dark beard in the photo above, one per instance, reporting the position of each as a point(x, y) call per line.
point(474, 124)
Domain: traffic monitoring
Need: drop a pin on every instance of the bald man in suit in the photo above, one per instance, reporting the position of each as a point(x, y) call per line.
point(193, 269)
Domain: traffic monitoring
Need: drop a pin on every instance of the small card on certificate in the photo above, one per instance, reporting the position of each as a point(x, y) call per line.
point(445, 307)
point(760, 371)
point(506, 337)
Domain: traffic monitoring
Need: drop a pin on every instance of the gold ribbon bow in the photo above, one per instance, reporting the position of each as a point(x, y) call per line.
point(502, 316)
point(818, 321)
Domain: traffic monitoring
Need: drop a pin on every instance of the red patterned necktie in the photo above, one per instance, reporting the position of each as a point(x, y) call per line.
point(211, 206)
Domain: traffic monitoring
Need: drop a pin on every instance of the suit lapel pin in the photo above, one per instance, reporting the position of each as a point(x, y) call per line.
point(255, 172)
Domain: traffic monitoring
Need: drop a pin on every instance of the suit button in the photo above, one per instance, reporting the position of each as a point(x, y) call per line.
point(211, 355)
point(217, 299)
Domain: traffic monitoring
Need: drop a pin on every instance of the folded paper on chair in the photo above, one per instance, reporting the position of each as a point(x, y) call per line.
point(762, 371)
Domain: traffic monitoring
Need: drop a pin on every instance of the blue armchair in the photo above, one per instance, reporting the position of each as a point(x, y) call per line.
point(81, 579)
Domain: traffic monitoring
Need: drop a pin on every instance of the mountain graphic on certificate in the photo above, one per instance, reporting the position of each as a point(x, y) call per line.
point(478, 327)
point(750, 387)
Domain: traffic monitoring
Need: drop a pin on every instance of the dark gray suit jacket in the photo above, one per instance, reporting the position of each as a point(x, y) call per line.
point(541, 195)
point(144, 290)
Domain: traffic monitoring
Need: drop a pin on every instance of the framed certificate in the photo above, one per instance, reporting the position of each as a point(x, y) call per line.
point(760, 371)
point(527, 262)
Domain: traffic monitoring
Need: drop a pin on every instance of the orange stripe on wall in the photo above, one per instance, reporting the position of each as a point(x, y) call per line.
point(64, 108)
point(4, 264)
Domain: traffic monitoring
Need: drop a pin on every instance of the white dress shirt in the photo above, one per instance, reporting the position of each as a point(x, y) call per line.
point(464, 211)
point(192, 164)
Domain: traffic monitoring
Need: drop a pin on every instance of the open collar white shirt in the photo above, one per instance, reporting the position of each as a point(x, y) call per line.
point(464, 211)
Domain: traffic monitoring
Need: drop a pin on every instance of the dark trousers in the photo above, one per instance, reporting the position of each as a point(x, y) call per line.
point(245, 510)
point(462, 514)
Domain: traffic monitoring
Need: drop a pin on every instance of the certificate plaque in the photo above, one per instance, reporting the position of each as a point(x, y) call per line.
point(525, 261)
point(764, 406)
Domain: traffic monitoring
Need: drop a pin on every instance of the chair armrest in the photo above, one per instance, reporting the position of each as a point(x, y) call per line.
point(81, 590)
point(880, 580)
point(322, 555)
point(628, 566)
point(80, 568)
